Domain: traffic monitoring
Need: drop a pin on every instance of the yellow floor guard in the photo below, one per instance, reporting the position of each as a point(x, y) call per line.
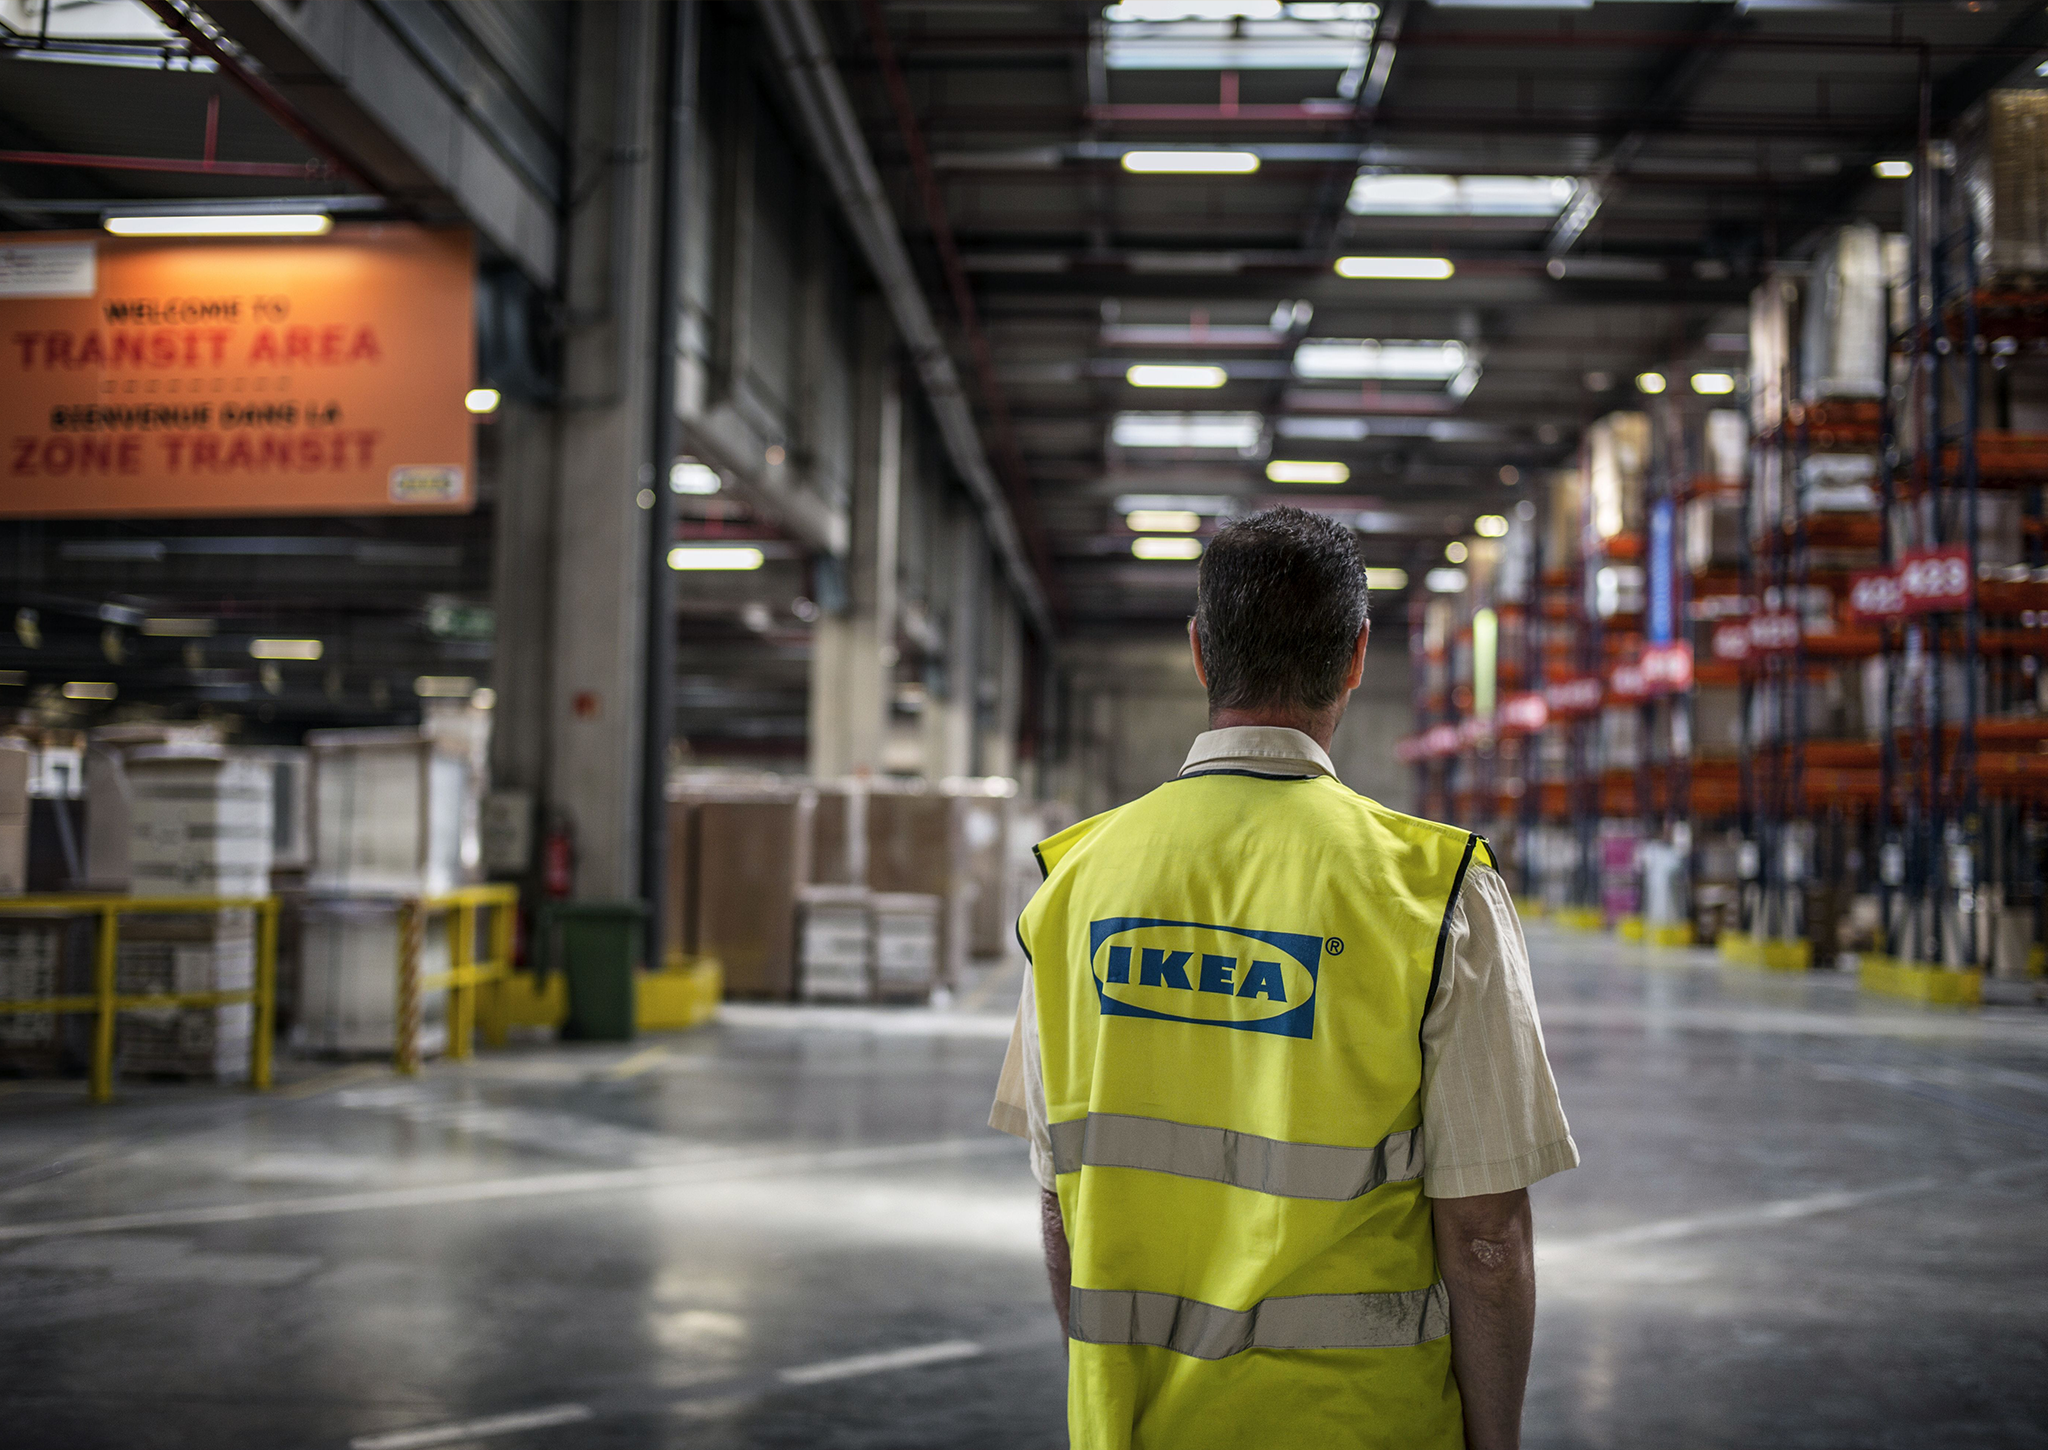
point(1671, 934)
point(1581, 918)
point(1788, 954)
point(1919, 982)
point(1629, 928)
point(685, 995)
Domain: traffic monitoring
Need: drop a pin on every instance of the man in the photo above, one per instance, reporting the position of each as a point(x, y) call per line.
point(1279, 1065)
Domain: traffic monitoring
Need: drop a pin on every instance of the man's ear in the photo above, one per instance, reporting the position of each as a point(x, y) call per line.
point(1195, 647)
point(1357, 670)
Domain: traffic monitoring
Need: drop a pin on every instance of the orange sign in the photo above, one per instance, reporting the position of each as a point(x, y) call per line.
point(147, 377)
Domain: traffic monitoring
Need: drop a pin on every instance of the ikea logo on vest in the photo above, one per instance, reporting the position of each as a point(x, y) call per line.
point(1211, 976)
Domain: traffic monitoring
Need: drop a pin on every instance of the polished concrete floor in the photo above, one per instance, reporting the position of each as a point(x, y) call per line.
point(1804, 1219)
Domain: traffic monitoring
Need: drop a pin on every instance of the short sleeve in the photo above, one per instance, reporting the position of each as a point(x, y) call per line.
point(1019, 1108)
point(1491, 1119)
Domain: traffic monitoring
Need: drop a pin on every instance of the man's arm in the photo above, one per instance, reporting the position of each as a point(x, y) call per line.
point(1485, 1249)
point(1059, 1266)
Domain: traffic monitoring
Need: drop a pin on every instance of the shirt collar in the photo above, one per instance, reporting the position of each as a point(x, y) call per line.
point(1264, 749)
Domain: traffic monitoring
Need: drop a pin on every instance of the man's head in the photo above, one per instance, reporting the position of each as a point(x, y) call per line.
point(1280, 615)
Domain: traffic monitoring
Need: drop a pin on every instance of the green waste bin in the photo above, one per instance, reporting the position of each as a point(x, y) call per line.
point(598, 946)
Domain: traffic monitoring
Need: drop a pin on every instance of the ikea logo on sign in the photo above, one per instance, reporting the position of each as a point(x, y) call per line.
point(1213, 976)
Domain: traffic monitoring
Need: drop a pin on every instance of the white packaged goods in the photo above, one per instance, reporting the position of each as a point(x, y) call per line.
point(1842, 347)
point(348, 978)
point(202, 952)
point(389, 810)
point(32, 962)
point(1618, 451)
point(2002, 152)
point(1727, 439)
point(1838, 483)
point(834, 948)
point(1666, 902)
point(199, 824)
point(906, 944)
point(1770, 351)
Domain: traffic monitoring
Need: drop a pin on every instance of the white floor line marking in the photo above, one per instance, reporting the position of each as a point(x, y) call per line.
point(639, 1062)
point(463, 1430)
point(534, 1185)
point(888, 1359)
point(882, 1021)
point(1783, 1210)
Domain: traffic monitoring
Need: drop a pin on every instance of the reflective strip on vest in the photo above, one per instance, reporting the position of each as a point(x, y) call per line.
point(1243, 1160)
point(1302, 1321)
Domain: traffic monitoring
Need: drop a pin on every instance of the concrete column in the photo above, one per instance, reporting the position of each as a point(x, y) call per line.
point(521, 595)
point(949, 733)
point(604, 443)
point(853, 655)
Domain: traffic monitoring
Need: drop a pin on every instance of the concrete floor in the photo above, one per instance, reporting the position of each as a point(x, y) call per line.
point(1804, 1219)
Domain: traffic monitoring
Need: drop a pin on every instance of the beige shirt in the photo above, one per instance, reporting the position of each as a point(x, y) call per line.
point(1491, 1120)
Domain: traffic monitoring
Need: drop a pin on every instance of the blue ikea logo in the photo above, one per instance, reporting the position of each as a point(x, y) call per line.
point(1211, 976)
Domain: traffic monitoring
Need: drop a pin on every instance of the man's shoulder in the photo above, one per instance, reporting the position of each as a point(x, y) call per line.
point(1422, 829)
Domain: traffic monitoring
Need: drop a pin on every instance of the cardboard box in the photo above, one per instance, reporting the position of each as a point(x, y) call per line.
point(348, 978)
point(14, 763)
point(907, 945)
point(752, 857)
point(199, 824)
point(391, 813)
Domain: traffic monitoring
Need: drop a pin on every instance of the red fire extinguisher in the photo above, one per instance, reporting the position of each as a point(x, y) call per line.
point(558, 860)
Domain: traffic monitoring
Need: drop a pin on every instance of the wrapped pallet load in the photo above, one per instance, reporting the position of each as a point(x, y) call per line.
point(2002, 156)
point(1842, 344)
point(200, 825)
point(752, 857)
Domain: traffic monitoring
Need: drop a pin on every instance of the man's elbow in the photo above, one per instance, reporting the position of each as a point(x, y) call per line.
point(1487, 1236)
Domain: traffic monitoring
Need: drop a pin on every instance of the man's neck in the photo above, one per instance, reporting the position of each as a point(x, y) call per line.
point(1318, 727)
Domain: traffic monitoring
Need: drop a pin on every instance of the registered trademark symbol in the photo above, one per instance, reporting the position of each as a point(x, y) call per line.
point(1334, 946)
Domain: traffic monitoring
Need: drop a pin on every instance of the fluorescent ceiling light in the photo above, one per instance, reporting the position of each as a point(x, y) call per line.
point(1893, 170)
point(285, 649)
point(1228, 432)
point(1396, 269)
point(1206, 505)
point(1368, 358)
point(1161, 375)
point(91, 690)
point(1456, 551)
point(1651, 383)
point(1296, 470)
point(304, 225)
point(687, 475)
point(1191, 163)
point(482, 400)
point(1713, 385)
point(1490, 526)
point(709, 556)
point(1154, 548)
point(1162, 521)
point(178, 628)
point(1386, 578)
point(445, 687)
point(1444, 581)
point(1433, 195)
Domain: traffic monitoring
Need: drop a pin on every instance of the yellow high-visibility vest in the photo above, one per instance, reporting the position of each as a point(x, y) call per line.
point(1231, 975)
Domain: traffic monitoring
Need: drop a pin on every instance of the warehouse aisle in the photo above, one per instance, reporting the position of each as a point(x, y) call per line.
point(1804, 1219)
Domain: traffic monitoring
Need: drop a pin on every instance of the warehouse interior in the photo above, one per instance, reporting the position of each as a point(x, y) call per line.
point(557, 559)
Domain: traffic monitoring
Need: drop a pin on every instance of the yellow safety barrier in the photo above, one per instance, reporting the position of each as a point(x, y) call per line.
point(106, 1004)
point(1672, 934)
point(1530, 908)
point(1630, 928)
point(1919, 981)
point(1581, 918)
point(465, 975)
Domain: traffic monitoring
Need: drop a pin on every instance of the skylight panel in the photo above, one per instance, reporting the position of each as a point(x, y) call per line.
point(1219, 35)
